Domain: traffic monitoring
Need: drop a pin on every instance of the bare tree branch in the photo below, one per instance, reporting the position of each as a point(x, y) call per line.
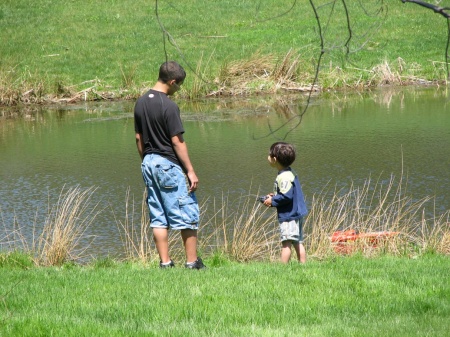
point(446, 48)
point(280, 15)
point(316, 77)
point(436, 9)
point(172, 41)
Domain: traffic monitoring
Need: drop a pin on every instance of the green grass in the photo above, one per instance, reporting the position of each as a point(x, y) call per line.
point(116, 47)
point(344, 296)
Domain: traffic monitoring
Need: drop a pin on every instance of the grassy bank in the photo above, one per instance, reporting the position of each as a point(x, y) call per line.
point(65, 52)
point(353, 296)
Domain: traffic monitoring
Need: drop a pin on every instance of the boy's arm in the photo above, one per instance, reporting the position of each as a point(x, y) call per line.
point(180, 148)
point(283, 197)
point(140, 145)
point(285, 190)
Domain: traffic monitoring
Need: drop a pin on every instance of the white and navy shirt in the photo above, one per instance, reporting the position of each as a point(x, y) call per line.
point(288, 198)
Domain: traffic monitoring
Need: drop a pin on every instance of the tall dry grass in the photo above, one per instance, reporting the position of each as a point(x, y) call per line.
point(135, 237)
point(66, 223)
point(264, 74)
point(58, 240)
point(20, 88)
point(241, 229)
point(435, 234)
point(294, 73)
point(376, 206)
point(259, 74)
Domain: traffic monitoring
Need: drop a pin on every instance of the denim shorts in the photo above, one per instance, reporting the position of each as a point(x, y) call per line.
point(292, 230)
point(169, 202)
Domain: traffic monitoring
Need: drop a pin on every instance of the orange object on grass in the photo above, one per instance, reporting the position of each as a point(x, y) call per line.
point(343, 240)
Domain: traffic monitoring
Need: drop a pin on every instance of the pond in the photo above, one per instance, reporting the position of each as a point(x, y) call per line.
point(343, 139)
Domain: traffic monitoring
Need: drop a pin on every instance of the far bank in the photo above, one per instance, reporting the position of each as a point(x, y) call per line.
point(86, 52)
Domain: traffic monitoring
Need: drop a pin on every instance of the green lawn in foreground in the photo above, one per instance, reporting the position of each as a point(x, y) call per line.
point(118, 44)
point(344, 296)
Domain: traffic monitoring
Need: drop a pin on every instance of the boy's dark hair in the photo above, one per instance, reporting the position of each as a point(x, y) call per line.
point(284, 152)
point(171, 70)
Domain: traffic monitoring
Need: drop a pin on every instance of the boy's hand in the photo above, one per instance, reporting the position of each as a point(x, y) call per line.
point(193, 181)
point(268, 201)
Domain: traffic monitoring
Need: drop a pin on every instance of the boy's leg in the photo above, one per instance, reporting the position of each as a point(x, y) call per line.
point(300, 251)
point(189, 237)
point(161, 237)
point(285, 251)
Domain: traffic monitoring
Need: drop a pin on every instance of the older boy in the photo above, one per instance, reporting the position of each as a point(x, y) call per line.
point(165, 162)
point(289, 200)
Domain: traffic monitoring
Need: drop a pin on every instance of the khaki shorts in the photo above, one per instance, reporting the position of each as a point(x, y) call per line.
point(292, 230)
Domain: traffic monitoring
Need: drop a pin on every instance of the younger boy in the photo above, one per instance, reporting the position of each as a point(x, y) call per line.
point(289, 200)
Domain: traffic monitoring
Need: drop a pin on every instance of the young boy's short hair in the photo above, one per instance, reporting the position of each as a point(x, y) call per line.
point(284, 152)
point(171, 70)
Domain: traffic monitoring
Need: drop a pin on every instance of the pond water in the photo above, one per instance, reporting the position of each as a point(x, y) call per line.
point(342, 139)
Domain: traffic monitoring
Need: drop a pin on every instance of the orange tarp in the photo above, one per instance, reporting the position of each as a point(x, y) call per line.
point(343, 240)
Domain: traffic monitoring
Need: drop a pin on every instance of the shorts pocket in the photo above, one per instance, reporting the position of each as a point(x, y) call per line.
point(189, 209)
point(167, 176)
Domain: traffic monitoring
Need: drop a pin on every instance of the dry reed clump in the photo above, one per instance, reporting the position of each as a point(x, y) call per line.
point(242, 230)
point(262, 73)
point(136, 238)
point(435, 234)
point(386, 73)
point(27, 88)
point(396, 73)
point(383, 74)
point(65, 225)
point(20, 88)
point(444, 243)
point(374, 208)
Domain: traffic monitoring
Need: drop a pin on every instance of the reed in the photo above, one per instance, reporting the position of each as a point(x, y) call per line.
point(66, 223)
point(24, 87)
point(264, 73)
point(375, 207)
point(201, 82)
point(135, 238)
point(435, 234)
point(242, 230)
point(57, 241)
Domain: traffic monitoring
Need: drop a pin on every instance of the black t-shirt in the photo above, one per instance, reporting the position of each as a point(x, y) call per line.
point(158, 119)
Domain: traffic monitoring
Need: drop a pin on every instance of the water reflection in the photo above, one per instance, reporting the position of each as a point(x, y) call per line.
point(344, 138)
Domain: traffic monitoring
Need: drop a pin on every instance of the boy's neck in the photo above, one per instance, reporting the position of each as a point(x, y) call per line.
point(161, 87)
point(282, 168)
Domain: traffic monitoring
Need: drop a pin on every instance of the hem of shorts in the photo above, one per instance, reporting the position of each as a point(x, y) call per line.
point(295, 240)
point(159, 226)
point(195, 227)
